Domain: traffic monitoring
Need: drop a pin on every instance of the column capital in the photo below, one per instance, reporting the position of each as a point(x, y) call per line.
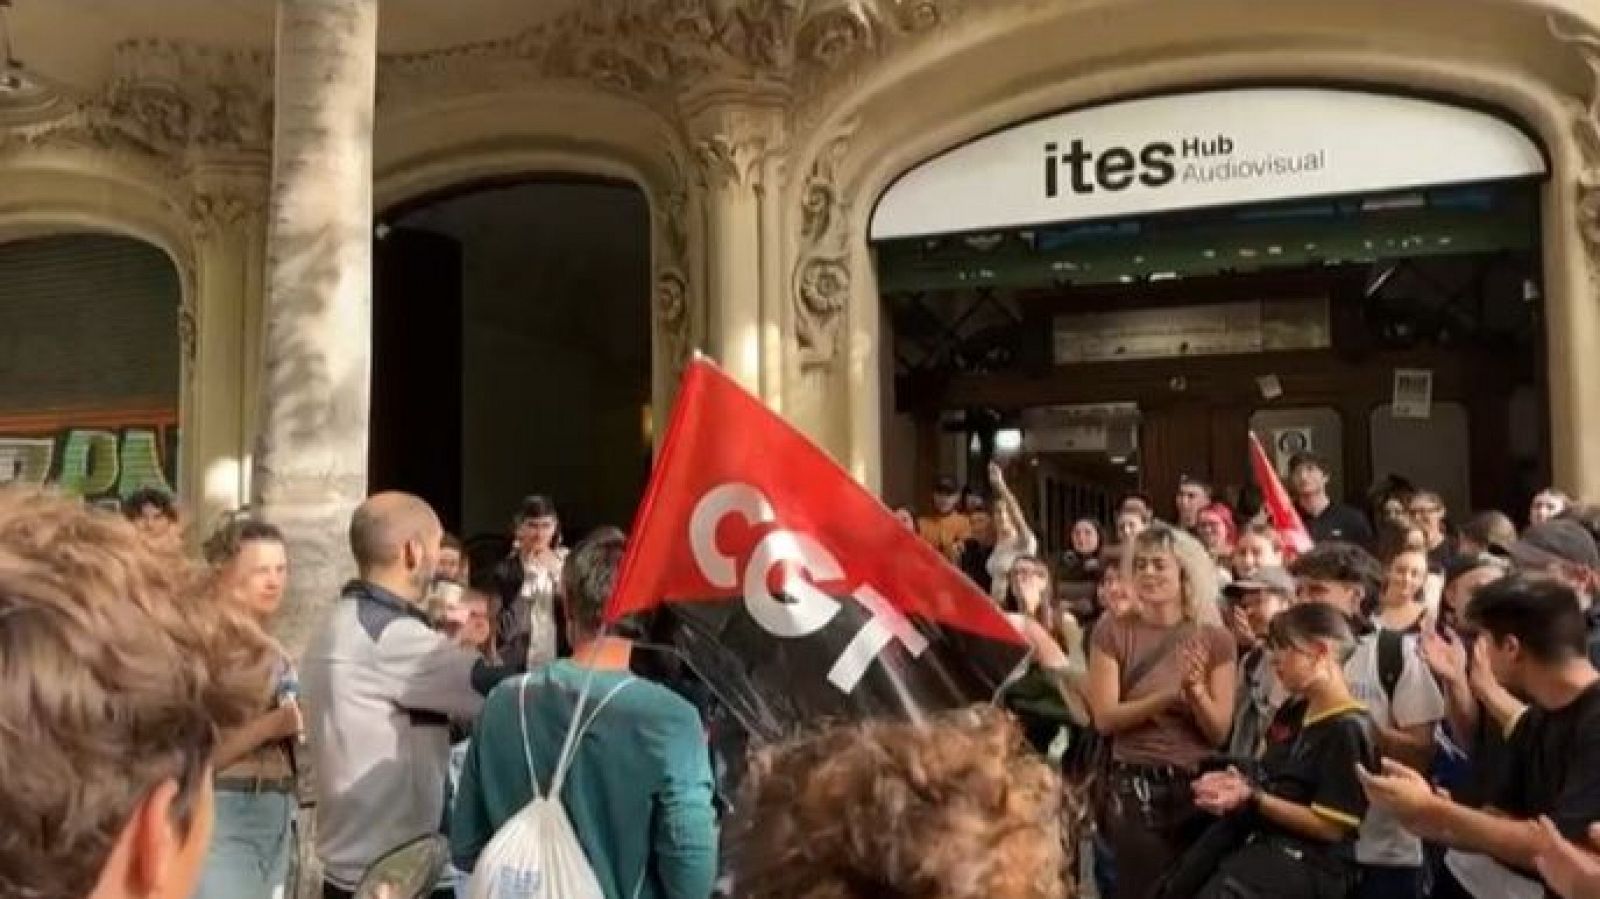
point(227, 191)
point(734, 129)
point(1584, 39)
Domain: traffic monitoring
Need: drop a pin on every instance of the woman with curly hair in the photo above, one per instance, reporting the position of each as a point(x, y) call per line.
point(256, 786)
point(957, 807)
point(1161, 685)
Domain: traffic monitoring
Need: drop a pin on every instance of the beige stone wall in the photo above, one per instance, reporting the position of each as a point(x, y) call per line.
point(762, 134)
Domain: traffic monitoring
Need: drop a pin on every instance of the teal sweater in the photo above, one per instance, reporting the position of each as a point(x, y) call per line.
point(639, 792)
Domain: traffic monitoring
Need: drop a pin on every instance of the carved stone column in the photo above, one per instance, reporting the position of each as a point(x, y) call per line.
point(737, 132)
point(1572, 306)
point(227, 208)
point(311, 459)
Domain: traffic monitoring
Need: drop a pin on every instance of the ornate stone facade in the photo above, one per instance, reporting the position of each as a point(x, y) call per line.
point(762, 131)
point(672, 299)
point(166, 100)
point(791, 54)
point(1585, 41)
point(822, 275)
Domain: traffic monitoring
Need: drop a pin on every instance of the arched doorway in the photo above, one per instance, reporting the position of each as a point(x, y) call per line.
point(1110, 298)
point(90, 364)
point(512, 350)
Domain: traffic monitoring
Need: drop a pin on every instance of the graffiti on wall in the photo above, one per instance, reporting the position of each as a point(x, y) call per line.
point(101, 462)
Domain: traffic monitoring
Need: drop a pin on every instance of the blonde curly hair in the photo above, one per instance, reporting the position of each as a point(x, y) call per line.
point(1201, 586)
point(958, 808)
point(117, 669)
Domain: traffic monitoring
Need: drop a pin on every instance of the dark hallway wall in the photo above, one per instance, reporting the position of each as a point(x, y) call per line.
point(555, 347)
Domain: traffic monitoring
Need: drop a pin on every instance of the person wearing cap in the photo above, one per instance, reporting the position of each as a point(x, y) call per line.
point(1252, 604)
point(1563, 549)
point(946, 529)
point(1486, 532)
point(1324, 519)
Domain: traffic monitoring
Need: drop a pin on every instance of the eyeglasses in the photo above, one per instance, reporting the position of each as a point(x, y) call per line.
point(1425, 510)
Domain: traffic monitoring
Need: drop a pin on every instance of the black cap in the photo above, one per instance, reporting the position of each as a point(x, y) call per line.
point(946, 485)
point(1555, 541)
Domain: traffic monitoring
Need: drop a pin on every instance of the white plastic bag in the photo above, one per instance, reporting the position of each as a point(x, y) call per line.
point(536, 854)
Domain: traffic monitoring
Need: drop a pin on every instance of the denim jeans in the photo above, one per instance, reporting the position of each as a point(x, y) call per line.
point(250, 847)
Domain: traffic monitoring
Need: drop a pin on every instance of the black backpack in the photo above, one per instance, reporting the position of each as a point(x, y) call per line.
point(1391, 660)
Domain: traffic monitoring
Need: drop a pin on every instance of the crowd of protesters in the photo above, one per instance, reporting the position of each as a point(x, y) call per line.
point(1404, 710)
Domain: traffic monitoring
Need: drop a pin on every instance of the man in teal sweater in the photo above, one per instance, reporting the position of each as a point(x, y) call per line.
point(640, 789)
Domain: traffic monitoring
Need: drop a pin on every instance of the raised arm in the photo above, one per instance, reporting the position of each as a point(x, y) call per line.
point(429, 672)
point(1025, 535)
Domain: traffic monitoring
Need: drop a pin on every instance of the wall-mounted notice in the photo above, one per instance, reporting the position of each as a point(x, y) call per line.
point(1413, 393)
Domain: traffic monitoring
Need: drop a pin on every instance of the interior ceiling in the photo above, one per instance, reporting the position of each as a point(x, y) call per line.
point(70, 41)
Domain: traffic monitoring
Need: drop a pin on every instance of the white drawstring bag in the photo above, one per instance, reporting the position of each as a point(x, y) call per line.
point(536, 854)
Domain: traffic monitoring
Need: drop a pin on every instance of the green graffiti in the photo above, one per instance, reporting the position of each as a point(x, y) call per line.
point(95, 463)
point(141, 463)
point(89, 463)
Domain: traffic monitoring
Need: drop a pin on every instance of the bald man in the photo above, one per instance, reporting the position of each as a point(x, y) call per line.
point(382, 687)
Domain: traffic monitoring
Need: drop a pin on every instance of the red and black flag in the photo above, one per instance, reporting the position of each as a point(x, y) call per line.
point(788, 588)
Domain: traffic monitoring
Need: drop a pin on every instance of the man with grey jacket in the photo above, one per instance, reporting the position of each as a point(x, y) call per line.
point(382, 687)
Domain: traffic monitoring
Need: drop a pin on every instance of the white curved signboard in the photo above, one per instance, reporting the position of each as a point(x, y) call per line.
point(1213, 148)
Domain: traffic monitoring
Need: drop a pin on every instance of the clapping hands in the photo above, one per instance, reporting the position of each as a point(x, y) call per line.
point(1446, 656)
point(1195, 668)
point(1239, 625)
point(1221, 792)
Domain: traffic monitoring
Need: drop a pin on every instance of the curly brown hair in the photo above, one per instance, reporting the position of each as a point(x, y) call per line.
point(956, 808)
point(116, 672)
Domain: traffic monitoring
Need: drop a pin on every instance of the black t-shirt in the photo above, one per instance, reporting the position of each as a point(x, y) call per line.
point(1338, 522)
point(974, 563)
point(1312, 762)
point(1557, 766)
point(1441, 556)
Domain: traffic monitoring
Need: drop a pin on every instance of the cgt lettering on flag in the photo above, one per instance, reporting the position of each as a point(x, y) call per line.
point(801, 562)
point(786, 588)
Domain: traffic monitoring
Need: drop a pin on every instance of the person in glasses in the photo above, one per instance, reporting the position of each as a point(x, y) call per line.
point(1428, 512)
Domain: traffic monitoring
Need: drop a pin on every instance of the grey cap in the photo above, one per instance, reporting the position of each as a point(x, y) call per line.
point(1555, 541)
point(1271, 579)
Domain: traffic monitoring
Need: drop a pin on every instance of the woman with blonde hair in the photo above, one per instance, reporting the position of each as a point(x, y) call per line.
point(1161, 686)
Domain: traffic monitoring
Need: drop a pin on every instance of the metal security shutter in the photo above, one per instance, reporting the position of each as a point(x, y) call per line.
point(87, 322)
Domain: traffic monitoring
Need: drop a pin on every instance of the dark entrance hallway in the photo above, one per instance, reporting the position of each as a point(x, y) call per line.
point(512, 352)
